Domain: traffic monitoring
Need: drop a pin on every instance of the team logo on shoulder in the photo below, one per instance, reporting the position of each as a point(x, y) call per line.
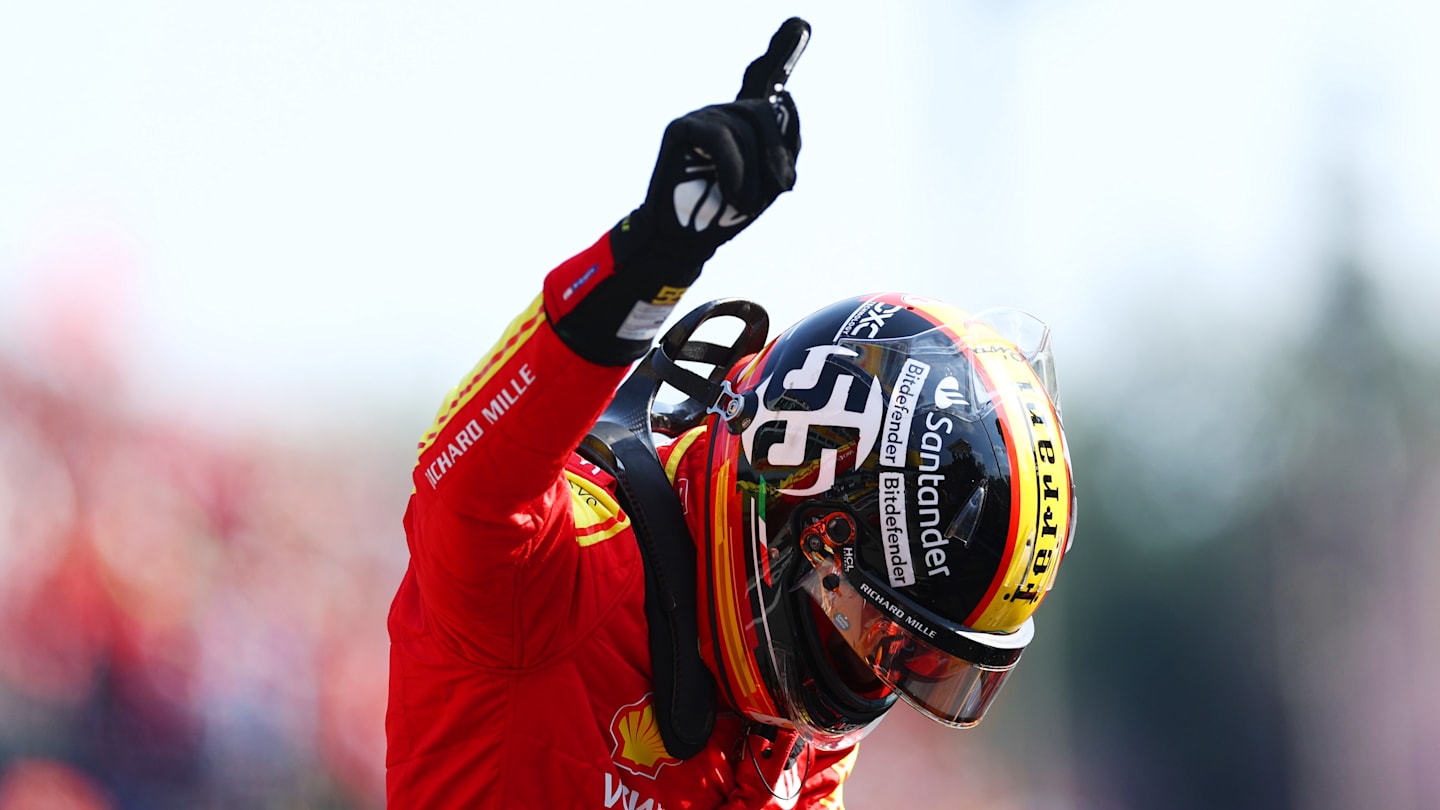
point(636, 737)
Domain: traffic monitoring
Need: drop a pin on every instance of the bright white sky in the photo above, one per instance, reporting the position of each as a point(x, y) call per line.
point(300, 204)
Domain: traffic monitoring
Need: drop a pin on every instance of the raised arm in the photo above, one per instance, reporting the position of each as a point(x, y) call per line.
point(493, 459)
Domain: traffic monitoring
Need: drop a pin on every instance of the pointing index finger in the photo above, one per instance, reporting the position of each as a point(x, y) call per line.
point(767, 75)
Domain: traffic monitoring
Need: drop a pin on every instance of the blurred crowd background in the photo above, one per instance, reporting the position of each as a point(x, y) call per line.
point(243, 255)
point(187, 619)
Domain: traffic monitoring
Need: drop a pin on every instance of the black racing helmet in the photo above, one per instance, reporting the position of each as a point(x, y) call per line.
point(889, 499)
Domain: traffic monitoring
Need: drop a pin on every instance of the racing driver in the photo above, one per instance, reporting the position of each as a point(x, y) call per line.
point(870, 508)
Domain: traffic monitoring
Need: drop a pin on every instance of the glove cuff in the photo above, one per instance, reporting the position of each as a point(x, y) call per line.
point(609, 313)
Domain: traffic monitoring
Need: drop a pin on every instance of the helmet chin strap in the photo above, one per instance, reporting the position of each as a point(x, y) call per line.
point(792, 757)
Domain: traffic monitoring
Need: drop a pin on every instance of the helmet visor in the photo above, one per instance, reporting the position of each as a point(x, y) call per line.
point(954, 686)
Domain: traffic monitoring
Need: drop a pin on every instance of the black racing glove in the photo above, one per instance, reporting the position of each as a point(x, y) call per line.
point(718, 169)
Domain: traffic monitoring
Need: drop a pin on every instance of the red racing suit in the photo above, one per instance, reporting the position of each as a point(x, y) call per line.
point(519, 664)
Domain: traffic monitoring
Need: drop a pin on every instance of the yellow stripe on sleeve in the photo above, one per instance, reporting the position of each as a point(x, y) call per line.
point(516, 335)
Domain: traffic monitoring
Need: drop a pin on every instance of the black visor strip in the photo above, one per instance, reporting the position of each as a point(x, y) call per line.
point(943, 635)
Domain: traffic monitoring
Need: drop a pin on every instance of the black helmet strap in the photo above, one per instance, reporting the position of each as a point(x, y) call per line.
point(704, 395)
point(620, 443)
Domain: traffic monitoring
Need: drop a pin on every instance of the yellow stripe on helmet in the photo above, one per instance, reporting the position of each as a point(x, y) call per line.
point(1039, 484)
point(731, 597)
